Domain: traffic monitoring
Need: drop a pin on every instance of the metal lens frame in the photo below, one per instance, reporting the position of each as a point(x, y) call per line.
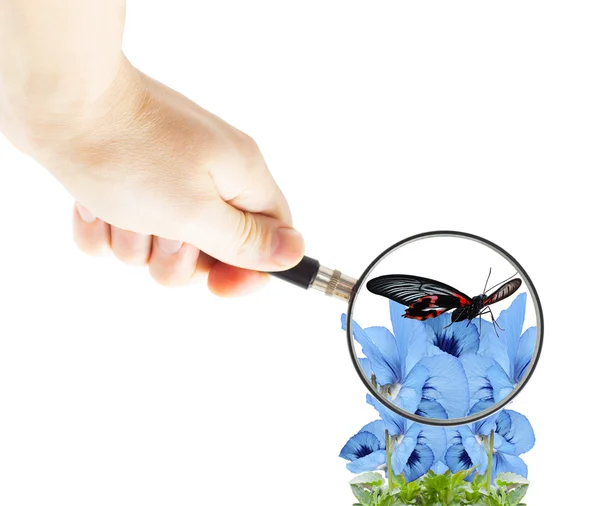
point(486, 412)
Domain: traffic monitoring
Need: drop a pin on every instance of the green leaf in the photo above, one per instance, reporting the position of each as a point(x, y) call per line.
point(504, 479)
point(514, 496)
point(448, 489)
point(370, 479)
point(364, 496)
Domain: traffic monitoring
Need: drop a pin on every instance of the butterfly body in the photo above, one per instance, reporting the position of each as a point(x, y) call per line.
point(427, 298)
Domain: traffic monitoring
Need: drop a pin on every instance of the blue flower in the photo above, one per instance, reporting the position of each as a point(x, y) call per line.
point(415, 447)
point(488, 382)
point(510, 347)
point(457, 339)
point(366, 449)
point(513, 436)
point(432, 386)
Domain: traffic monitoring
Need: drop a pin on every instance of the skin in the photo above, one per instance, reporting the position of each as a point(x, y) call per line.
point(157, 180)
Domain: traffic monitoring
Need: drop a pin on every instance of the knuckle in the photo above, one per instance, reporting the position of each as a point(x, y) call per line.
point(248, 236)
point(249, 148)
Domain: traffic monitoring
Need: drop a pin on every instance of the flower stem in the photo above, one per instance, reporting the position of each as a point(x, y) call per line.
point(490, 460)
point(388, 458)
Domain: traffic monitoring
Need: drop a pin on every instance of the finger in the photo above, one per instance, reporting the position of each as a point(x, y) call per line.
point(246, 240)
point(130, 247)
point(173, 263)
point(91, 234)
point(229, 281)
point(203, 266)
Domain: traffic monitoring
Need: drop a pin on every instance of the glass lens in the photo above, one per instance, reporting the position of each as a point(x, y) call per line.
point(444, 328)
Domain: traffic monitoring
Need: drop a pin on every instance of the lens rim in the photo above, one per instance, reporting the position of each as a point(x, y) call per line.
point(454, 422)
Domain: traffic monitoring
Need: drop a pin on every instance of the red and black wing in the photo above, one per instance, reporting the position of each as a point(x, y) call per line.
point(506, 290)
point(424, 297)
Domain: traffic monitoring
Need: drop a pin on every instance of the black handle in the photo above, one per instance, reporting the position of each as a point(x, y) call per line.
point(301, 275)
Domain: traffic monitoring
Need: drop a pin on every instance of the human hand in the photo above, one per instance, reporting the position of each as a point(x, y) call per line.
point(160, 181)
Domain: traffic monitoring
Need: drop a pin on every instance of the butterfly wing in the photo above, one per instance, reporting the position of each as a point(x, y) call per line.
point(506, 290)
point(424, 297)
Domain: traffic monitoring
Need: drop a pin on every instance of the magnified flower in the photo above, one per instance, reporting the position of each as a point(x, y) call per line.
point(509, 347)
point(415, 447)
point(457, 339)
point(366, 449)
point(432, 386)
point(513, 436)
point(488, 382)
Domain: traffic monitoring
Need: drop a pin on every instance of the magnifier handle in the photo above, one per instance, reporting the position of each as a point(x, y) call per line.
point(309, 273)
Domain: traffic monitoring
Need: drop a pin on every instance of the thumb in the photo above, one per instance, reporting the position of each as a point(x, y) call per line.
point(249, 240)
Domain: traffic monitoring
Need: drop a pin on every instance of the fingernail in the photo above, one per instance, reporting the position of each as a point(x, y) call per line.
point(84, 214)
point(287, 247)
point(169, 246)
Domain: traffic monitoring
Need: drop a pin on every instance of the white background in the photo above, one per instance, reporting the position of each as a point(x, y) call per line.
point(379, 120)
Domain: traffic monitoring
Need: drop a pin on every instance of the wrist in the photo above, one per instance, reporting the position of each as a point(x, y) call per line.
point(51, 112)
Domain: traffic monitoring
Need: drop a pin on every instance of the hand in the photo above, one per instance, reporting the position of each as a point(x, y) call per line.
point(161, 181)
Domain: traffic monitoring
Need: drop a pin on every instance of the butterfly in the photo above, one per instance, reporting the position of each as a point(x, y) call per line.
point(427, 298)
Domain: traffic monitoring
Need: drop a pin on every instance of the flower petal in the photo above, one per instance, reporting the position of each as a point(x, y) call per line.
point(511, 321)
point(447, 384)
point(524, 354)
point(386, 371)
point(456, 339)
point(429, 408)
point(439, 468)
point(360, 445)
point(419, 462)
point(474, 449)
point(411, 336)
point(387, 344)
point(493, 346)
point(476, 368)
point(501, 383)
point(503, 344)
point(372, 462)
point(377, 428)
point(402, 452)
point(503, 463)
point(485, 426)
point(457, 458)
point(411, 392)
point(516, 429)
point(395, 424)
point(435, 438)
point(365, 365)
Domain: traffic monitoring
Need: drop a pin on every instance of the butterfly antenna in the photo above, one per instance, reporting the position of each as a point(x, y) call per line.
point(486, 281)
point(502, 282)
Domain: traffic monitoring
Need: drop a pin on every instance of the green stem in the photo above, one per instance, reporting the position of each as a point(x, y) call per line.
point(388, 458)
point(490, 460)
point(374, 381)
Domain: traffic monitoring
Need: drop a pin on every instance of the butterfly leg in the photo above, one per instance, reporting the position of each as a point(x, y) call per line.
point(494, 320)
point(451, 322)
point(495, 324)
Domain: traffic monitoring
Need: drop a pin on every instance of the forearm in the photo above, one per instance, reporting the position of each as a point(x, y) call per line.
point(57, 54)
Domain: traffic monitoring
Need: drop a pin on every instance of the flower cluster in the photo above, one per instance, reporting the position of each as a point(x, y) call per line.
point(439, 370)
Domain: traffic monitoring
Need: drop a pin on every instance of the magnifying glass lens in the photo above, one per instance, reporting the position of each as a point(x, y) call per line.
point(444, 329)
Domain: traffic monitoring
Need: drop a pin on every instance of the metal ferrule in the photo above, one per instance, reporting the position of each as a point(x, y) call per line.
point(333, 283)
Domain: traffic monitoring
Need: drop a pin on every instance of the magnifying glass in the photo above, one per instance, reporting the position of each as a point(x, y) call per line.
point(444, 328)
